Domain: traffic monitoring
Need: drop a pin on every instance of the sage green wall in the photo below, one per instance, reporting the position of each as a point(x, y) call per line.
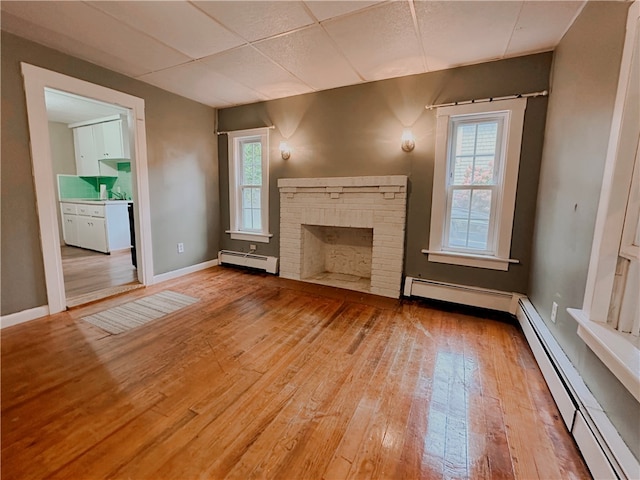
point(183, 174)
point(356, 130)
point(584, 82)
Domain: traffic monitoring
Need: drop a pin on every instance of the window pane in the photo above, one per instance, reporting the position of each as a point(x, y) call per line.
point(251, 208)
point(459, 219)
point(486, 142)
point(247, 219)
point(479, 215)
point(256, 219)
point(255, 197)
point(478, 235)
point(466, 139)
point(481, 204)
point(469, 219)
point(251, 163)
point(474, 156)
point(458, 231)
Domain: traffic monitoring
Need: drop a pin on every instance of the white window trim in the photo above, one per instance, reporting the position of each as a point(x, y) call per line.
point(615, 349)
point(234, 138)
point(512, 143)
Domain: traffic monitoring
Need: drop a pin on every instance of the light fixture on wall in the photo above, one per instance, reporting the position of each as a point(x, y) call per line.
point(285, 150)
point(408, 140)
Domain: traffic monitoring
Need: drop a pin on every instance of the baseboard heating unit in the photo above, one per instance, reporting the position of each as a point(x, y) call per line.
point(260, 262)
point(462, 294)
point(605, 453)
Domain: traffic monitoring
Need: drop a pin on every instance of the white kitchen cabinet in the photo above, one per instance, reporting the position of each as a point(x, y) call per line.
point(70, 229)
point(92, 234)
point(110, 140)
point(101, 226)
point(99, 144)
point(86, 155)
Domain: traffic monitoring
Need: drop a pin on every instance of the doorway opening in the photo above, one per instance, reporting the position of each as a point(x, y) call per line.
point(91, 164)
point(47, 94)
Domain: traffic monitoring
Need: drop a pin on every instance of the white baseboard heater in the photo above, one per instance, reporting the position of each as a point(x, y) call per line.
point(605, 453)
point(462, 294)
point(260, 262)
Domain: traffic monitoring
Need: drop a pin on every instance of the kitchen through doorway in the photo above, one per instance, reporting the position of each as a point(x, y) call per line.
point(91, 163)
point(102, 195)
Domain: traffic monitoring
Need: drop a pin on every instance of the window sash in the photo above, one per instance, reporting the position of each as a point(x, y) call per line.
point(248, 188)
point(503, 200)
point(494, 185)
point(490, 220)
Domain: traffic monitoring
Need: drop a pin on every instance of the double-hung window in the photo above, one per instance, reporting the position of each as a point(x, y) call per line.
point(475, 176)
point(249, 185)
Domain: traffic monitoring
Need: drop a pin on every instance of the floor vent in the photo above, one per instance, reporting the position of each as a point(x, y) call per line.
point(261, 262)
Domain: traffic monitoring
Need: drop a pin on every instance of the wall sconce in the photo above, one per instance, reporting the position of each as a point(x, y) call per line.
point(408, 140)
point(285, 150)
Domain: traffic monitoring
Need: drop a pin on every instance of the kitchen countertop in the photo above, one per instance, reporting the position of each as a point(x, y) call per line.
point(95, 201)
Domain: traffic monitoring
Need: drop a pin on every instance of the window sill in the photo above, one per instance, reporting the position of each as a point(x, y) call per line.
point(250, 236)
point(620, 354)
point(469, 260)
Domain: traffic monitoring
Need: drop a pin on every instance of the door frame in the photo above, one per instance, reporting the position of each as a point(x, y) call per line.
point(35, 81)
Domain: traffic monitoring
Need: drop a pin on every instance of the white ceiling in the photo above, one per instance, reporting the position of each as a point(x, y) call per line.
point(67, 108)
point(224, 53)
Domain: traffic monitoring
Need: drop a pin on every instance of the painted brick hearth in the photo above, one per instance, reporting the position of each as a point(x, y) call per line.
point(377, 203)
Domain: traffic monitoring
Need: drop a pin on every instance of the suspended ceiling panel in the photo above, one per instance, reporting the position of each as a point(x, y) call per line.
point(311, 56)
point(258, 20)
point(179, 25)
point(225, 53)
point(380, 42)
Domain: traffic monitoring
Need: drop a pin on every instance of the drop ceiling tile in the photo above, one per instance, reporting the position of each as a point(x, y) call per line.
point(197, 82)
point(256, 20)
point(458, 33)
point(63, 43)
point(380, 42)
point(249, 67)
point(541, 26)
point(177, 24)
point(96, 29)
point(326, 9)
point(311, 56)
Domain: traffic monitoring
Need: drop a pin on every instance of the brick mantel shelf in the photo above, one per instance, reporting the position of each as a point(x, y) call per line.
point(378, 203)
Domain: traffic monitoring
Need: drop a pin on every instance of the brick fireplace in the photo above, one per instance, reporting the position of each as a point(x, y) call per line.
point(346, 232)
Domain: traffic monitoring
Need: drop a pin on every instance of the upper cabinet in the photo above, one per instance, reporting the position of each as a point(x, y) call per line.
point(110, 140)
point(99, 144)
point(85, 148)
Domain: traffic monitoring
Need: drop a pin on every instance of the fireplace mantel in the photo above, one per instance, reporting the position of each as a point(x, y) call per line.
point(373, 202)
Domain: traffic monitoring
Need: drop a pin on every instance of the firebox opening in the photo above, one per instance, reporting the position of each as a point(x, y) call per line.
point(337, 256)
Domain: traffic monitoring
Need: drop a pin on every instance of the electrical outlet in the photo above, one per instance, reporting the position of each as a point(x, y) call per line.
point(181, 247)
point(554, 312)
point(252, 247)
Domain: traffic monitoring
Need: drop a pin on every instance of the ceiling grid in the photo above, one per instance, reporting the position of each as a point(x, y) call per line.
point(223, 53)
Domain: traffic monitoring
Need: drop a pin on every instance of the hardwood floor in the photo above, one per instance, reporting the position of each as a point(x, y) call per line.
point(271, 378)
point(93, 275)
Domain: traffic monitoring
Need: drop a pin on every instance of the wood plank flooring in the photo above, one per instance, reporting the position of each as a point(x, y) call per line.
point(90, 275)
point(271, 378)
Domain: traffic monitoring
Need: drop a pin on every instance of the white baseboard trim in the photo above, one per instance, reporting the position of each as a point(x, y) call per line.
point(604, 451)
point(462, 294)
point(23, 316)
point(163, 277)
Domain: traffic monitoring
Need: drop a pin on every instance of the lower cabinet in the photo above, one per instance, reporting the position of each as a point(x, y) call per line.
point(92, 234)
point(103, 228)
point(70, 229)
